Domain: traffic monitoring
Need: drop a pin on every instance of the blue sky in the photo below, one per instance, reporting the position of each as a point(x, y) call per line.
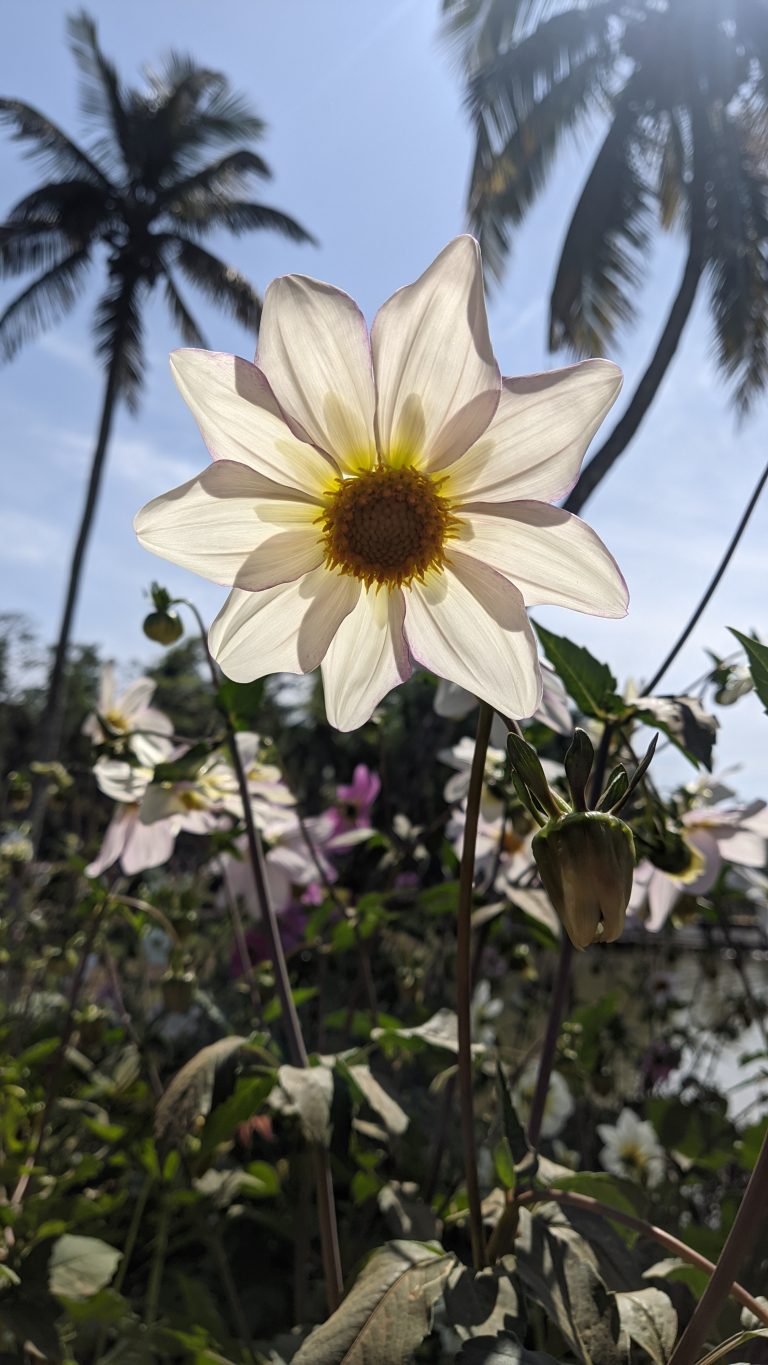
point(370, 150)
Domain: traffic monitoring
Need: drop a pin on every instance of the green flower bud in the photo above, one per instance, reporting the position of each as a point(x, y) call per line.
point(585, 862)
point(164, 627)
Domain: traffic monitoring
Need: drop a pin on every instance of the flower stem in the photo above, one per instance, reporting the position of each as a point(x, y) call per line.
point(549, 1046)
point(464, 983)
point(329, 1236)
point(711, 586)
point(739, 1242)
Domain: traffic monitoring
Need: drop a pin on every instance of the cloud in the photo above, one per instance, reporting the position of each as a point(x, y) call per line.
point(31, 541)
point(132, 459)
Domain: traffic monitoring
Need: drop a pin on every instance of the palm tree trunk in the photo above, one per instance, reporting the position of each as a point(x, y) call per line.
point(53, 712)
point(644, 394)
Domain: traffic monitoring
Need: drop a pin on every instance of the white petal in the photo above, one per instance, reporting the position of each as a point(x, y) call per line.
point(240, 420)
point(314, 349)
point(281, 559)
point(367, 657)
point(437, 381)
point(136, 697)
point(120, 780)
point(536, 442)
point(148, 845)
point(663, 895)
point(453, 702)
point(744, 847)
point(286, 629)
point(550, 555)
point(159, 803)
point(468, 624)
point(115, 835)
point(215, 521)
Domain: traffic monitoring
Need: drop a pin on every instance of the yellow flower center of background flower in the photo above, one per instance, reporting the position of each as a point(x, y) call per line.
point(116, 720)
point(387, 527)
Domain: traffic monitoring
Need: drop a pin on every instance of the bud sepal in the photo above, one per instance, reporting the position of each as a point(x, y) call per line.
point(586, 861)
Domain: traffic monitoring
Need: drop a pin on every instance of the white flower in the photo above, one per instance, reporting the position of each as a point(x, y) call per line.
point(16, 845)
point(376, 502)
point(632, 1149)
point(129, 720)
point(454, 703)
point(558, 1105)
point(214, 788)
point(128, 839)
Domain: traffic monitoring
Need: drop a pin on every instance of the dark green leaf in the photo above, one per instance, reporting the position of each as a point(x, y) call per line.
point(590, 683)
point(527, 765)
point(186, 767)
point(578, 766)
point(246, 1099)
point(513, 1128)
point(242, 702)
point(757, 655)
point(691, 728)
point(190, 1095)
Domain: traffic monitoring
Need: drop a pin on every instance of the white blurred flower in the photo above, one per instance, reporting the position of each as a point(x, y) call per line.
point(214, 788)
point(136, 845)
point(454, 703)
point(384, 500)
point(16, 845)
point(558, 1105)
point(128, 721)
point(631, 1149)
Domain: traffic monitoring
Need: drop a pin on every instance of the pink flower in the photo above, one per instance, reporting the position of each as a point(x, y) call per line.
point(355, 799)
point(128, 839)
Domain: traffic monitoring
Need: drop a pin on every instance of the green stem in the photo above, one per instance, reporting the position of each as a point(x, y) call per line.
point(748, 1222)
point(464, 983)
point(158, 1263)
point(549, 1046)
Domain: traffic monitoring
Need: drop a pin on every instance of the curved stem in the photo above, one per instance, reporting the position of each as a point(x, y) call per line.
point(750, 1218)
point(665, 1239)
point(329, 1236)
point(464, 983)
point(711, 586)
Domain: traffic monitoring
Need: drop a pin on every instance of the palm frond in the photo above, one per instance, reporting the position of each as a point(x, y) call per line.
point(228, 175)
point(38, 246)
point(221, 283)
point(49, 144)
point(737, 257)
point(182, 318)
point(43, 302)
point(522, 103)
point(200, 214)
point(101, 96)
point(674, 161)
point(118, 334)
point(481, 28)
point(606, 241)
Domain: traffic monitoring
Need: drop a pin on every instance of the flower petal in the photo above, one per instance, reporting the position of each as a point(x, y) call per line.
point(314, 348)
point(549, 554)
point(136, 696)
point(239, 418)
point(469, 624)
point(281, 559)
point(367, 657)
point(214, 522)
point(113, 843)
point(285, 629)
point(536, 442)
point(148, 845)
point(437, 380)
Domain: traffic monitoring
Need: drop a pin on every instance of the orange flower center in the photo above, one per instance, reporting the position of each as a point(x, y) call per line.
point(386, 527)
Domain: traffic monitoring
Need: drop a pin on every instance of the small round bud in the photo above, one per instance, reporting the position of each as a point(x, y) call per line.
point(585, 862)
point(164, 627)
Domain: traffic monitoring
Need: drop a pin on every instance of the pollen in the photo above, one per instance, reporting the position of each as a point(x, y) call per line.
point(387, 527)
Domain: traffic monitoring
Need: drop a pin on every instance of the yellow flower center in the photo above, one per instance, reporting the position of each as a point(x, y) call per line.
point(633, 1157)
point(386, 526)
point(192, 800)
point(116, 720)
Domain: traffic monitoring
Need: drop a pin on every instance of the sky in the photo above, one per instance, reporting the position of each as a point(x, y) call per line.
point(370, 150)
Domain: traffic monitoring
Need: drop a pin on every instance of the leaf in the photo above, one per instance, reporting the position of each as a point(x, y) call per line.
point(684, 720)
point(757, 654)
point(482, 1305)
point(184, 768)
point(247, 1097)
point(309, 1091)
point(501, 1350)
point(405, 1214)
point(513, 1128)
point(189, 1097)
point(578, 766)
point(242, 702)
point(648, 1317)
point(441, 1030)
point(388, 1311)
point(569, 1289)
point(527, 765)
point(590, 683)
point(726, 1347)
point(81, 1266)
point(394, 1118)
point(609, 1189)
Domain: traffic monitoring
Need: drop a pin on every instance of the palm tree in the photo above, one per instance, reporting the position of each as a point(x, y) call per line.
point(683, 88)
point(145, 190)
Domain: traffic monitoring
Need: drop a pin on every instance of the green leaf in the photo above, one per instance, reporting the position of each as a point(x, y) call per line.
point(757, 654)
point(80, 1266)
point(189, 1097)
point(388, 1311)
point(188, 766)
point(513, 1128)
point(726, 1347)
point(242, 702)
point(590, 683)
point(485, 1304)
point(308, 1091)
point(247, 1098)
point(609, 1189)
point(578, 766)
point(569, 1289)
point(683, 719)
point(389, 1111)
point(526, 763)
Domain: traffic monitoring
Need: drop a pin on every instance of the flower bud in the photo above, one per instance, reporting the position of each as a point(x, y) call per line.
point(164, 627)
point(586, 861)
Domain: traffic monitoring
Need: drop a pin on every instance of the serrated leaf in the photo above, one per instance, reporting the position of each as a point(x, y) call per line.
point(683, 719)
point(648, 1317)
point(757, 654)
point(189, 1097)
point(590, 683)
point(388, 1311)
point(309, 1091)
point(81, 1266)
